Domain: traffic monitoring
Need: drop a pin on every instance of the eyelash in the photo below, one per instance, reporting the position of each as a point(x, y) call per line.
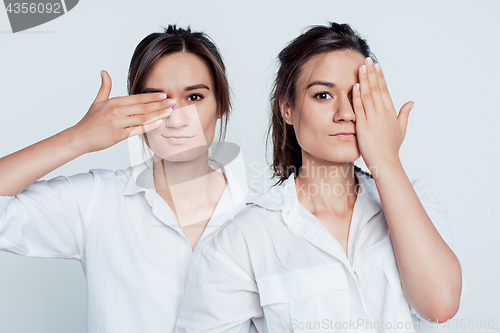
point(327, 93)
point(199, 96)
point(322, 93)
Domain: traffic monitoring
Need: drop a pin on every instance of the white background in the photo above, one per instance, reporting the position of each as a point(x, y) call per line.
point(444, 55)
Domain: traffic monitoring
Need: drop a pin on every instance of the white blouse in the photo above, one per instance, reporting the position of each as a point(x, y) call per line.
point(126, 237)
point(276, 263)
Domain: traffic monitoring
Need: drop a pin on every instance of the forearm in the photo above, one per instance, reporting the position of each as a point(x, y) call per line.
point(22, 168)
point(429, 270)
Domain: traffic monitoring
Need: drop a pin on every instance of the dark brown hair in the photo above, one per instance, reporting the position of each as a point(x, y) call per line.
point(287, 154)
point(174, 40)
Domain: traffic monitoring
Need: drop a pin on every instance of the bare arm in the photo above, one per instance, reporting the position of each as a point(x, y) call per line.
point(107, 122)
point(429, 270)
point(22, 168)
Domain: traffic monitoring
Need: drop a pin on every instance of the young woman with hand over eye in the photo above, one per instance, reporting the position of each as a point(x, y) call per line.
point(331, 248)
point(133, 230)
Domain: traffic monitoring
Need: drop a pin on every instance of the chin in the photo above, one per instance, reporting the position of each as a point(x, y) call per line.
point(183, 155)
point(336, 156)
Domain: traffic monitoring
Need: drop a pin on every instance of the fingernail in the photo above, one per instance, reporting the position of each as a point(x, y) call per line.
point(101, 74)
point(356, 86)
point(412, 106)
point(377, 67)
point(169, 110)
point(171, 102)
point(369, 61)
point(159, 121)
point(363, 69)
point(162, 96)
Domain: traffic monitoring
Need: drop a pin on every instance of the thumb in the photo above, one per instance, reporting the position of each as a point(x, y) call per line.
point(403, 116)
point(105, 89)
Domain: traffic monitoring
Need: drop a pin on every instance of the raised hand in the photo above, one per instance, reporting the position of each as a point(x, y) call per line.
point(111, 120)
point(379, 129)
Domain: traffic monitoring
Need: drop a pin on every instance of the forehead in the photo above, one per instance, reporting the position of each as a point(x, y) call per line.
point(338, 67)
point(178, 70)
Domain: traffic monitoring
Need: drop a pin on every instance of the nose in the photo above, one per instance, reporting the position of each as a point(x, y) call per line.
point(177, 118)
point(344, 110)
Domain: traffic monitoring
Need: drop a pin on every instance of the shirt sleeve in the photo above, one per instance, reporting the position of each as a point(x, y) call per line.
point(438, 215)
point(47, 219)
point(221, 293)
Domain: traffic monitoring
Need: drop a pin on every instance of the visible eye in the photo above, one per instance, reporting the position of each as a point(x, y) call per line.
point(195, 97)
point(323, 95)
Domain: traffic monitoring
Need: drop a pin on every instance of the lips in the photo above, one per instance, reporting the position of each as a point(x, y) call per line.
point(177, 139)
point(345, 135)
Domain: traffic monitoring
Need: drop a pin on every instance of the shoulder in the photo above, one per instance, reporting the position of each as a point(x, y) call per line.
point(249, 218)
point(122, 174)
point(238, 241)
point(248, 226)
point(420, 186)
point(107, 178)
point(424, 191)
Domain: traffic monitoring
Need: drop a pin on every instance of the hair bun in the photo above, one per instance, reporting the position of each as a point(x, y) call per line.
point(173, 30)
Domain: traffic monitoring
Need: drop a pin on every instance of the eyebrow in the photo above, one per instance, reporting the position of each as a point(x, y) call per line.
point(321, 83)
point(195, 87)
point(190, 88)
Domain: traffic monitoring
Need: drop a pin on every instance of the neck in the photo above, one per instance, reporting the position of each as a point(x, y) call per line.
point(191, 189)
point(325, 185)
point(167, 174)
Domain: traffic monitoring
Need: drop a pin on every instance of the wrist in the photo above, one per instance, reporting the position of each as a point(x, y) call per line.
point(75, 141)
point(385, 168)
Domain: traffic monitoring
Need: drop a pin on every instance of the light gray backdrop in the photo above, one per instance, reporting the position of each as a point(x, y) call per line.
point(441, 54)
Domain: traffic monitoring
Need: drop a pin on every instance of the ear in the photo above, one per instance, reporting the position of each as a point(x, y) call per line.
point(219, 112)
point(286, 110)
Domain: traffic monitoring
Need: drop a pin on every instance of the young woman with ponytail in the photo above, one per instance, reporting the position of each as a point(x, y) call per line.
point(331, 248)
point(133, 230)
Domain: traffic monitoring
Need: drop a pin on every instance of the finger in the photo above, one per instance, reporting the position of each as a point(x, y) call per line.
point(146, 118)
point(357, 104)
point(403, 116)
point(141, 129)
point(140, 109)
point(366, 97)
point(105, 90)
point(142, 98)
point(383, 88)
point(373, 83)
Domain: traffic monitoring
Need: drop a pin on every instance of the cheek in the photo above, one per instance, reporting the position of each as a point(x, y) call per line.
point(310, 123)
point(312, 128)
point(208, 119)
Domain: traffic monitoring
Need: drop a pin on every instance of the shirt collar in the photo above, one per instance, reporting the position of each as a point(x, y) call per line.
point(141, 178)
point(284, 196)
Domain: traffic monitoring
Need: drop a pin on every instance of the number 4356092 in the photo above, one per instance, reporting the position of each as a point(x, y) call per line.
point(25, 8)
point(471, 324)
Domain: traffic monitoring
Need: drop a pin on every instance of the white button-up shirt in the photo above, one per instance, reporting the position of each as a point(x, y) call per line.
point(126, 237)
point(276, 263)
